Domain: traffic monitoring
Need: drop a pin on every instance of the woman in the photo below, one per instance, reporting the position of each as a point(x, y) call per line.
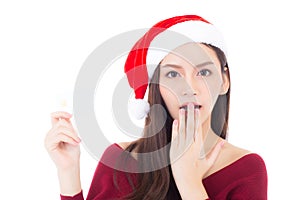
point(189, 156)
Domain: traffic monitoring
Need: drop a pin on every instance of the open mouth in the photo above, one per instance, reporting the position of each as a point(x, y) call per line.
point(185, 107)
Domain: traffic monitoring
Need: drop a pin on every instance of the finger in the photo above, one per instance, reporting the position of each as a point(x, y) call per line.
point(64, 138)
point(61, 114)
point(68, 132)
point(60, 128)
point(190, 124)
point(198, 129)
point(52, 143)
point(181, 144)
point(55, 120)
point(214, 154)
point(174, 141)
point(56, 116)
point(64, 123)
point(64, 126)
point(181, 122)
point(198, 136)
point(175, 131)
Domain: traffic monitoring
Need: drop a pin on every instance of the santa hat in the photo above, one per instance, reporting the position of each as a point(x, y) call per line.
point(147, 52)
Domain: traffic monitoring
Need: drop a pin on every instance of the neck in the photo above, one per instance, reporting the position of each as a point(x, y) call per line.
point(209, 137)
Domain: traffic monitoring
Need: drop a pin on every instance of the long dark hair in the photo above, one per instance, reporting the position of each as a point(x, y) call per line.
point(160, 184)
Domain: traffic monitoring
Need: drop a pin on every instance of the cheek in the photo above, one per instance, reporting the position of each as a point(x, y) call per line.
point(170, 100)
point(213, 88)
point(167, 95)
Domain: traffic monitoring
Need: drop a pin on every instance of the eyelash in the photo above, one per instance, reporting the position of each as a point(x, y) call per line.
point(203, 70)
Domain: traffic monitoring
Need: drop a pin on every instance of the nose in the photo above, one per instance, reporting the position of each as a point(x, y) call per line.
point(190, 89)
point(189, 92)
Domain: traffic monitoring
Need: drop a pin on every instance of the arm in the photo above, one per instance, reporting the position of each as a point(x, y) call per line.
point(62, 144)
point(103, 183)
point(69, 181)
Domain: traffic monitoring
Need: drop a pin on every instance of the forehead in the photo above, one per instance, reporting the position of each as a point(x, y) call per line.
point(191, 53)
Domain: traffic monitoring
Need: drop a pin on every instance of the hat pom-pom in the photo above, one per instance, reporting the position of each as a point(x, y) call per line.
point(138, 108)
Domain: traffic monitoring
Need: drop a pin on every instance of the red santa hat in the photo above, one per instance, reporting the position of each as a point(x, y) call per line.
point(146, 53)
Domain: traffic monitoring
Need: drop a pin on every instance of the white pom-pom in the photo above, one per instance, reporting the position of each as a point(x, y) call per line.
point(138, 108)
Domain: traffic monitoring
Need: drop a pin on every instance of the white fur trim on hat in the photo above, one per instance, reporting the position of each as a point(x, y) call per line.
point(194, 31)
point(138, 108)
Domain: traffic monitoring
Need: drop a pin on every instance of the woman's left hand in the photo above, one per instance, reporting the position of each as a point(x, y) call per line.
point(189, 162)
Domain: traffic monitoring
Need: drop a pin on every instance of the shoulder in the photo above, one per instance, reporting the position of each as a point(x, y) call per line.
point(235, 153)
point(123, 145)
point(239, 153)
point(115, 150)
point(110, 154)
point(111, 177)
point(247, 162)
point(247, 174)
point(236, 158)
point(117, 158)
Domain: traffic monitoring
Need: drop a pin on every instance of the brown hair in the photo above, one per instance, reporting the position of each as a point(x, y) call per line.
point(160, 184)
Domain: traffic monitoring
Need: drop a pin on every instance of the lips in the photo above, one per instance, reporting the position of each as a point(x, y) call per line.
point(184, 106)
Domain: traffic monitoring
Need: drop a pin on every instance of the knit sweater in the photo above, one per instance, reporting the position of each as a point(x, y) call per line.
point(245, 178)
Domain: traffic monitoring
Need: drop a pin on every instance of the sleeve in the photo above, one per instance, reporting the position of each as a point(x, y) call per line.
point(109, 183)
point(254, 185)
point(103, 185)
point(78, 196)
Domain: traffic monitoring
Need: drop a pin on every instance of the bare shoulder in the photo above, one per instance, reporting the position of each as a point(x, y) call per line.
point(232, 152)
point(228, 155)
point(124, 145)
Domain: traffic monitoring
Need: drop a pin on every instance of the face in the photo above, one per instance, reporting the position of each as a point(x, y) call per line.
point(192, 74)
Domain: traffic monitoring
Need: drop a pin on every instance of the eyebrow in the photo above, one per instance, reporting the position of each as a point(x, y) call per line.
point(197, 66)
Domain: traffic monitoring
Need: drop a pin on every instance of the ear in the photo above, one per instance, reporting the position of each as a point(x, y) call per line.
point(226, 82)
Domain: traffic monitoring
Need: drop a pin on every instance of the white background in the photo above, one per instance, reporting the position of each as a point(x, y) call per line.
point(44, 43)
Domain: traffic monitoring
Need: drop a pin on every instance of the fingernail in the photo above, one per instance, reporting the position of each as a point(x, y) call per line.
point(181, 111)
point(175, 122)
point(222, 143)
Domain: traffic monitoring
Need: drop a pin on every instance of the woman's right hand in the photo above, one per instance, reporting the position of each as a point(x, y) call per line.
point(62, 142)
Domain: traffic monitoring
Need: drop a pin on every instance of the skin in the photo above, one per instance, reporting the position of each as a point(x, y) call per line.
point(62, 144)
point(192, 75)
point(192, 136)
point(184, 82)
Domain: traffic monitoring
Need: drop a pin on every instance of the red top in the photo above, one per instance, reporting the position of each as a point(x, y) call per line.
point(245, 178)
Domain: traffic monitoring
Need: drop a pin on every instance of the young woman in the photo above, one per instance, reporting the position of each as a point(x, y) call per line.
point(188, 157)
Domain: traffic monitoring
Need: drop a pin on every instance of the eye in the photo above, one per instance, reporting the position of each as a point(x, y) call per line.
point(204, 72)
point(172, 74)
